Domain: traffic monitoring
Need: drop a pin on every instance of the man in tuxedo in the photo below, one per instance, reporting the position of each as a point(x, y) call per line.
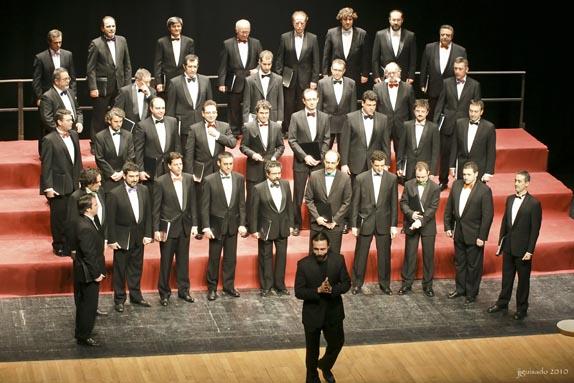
point(238, 60)
point(263, 85)
point(47, 61)
point(262, 141)
point(308, 126)
point(222, 217)
point(519, 231)
point(350, 44)
point(129, 230)
point(337, 97)
point(438, 63)
point(420, 143)
point(395, 44)
point(328, 199)
point(320, 280)
point(467, 218)
point(271, 222)
point(298, 62)
point(396, 101)
point(89, 269)
point(419, 203)
point(113, 148)
point(108, 69)
point(60, 170)
point(453, 103)
point(374, 212)
point(175, 219)
point(170, 53)
point(186, 95)
point(154, 137)
point(366, 131)
point(474, 140)
point(134, 98)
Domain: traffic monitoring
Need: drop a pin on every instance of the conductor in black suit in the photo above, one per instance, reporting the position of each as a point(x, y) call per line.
point(175, 219)
point(467, 218)
point(438, 63)
point(271, 222)
point(89, 269)
point(519, 231)
point(238, 60)
point(298, 54)
point(308, 126)
point(320, 280)
point(129, 230)
point(134, 98)
point(222, 217)
point(60, 171)
point(108, 69)
point(170, 52)
point(47, 61)
point(348, 43)
point(113, 148)
point(374, 212)
point(395, 44)
point(419, 203)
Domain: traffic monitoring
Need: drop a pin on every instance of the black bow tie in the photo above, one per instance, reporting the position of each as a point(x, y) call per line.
point(474, 123)
point(519, 196)
point(112, 39)
point(274, 185)
point(225, 177)
point(190, 79)
point(64, 93)
point(115, 134)
point(141, 90)
point(337, 81)
point(367, 116)
point(309, 114)
point(175, 39)
point(159, 121)
point(375, 174)
point(266, 75)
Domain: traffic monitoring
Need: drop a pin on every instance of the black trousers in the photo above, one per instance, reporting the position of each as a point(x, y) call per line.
point(335, 238)
point(335, 338)
point(444, 165)
point(432, 106)
point(468, 261)
point(272, 275)
point(228, 243)
point(178, 247)
point(235, 113)
point(292, 101)
point(510, 267)
point(128, 265)
point(101, 105)
point(410, 261)
point(86, 308)
point(299, 182)
point(383, 259)
point(58, 215)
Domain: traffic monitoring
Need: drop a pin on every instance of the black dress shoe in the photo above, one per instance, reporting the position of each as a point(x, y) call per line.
point(405, 290)
point(187, 298)
point(296, 232)
point(211, 295)
point(266, 293)
point(519, 315)
point(328, 376)
point(282, 292)
point(90, 342)
point(346, 229)
point(496, 308)
point(164, 301)
point(232, 293)
point(356, 290)
point(454, 294)
point(469, 300)
point(429, 292)
point(101, 313)
point(386, 290)
point(119, 307)
point(143, 303)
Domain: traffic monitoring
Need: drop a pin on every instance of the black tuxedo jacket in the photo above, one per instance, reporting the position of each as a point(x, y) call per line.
point(322, 309)
point(370, 217)
point(107, 160)
point(122, 225)
point(483, 150)
point(427, 150)
point(127, 100)
point(299, 133)
point(58, 172)
point(328, 101)
point(101, 71)
point(166, 206)
point(306, 69)
point(223, 219)
point(251, 143)
point(476, 218)
point(147, 146)
point(265, 218)
point(339, 197)
point(180, 103)
point(355, 151)
point(451, 106)
point(43, 76)
point(357, 61)
point(197, 147)
point(383, 53)
point(51, 101)
point(430, 76)
point(411, 202)
point(164, 66)
point(253, 92)
point(520, 237)
point(90, 262)
point(403, 106)
point(231, 71)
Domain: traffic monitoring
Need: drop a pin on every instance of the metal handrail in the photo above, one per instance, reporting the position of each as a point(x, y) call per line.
point(20, 109)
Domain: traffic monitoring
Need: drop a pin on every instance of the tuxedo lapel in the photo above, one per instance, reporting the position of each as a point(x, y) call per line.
point(135, 106)
point(401, 45)
point(186, 90)
point(260, 86)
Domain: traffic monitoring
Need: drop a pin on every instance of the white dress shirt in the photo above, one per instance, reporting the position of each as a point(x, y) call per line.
point(264, 134)
point(55, 58)
point(464, 194)
point(69, 144)
point(227, 186)
point(444, 54)
point(243, 52)
point(516, 206)
point(298, 45)
point(460, 86)
point(161, 133)
point(347, 37)
point(193, 89)
point(276, 194)
point(329, 181)
point(64, 95)
point(368, 123)
point(115, 139)
point(176, 45)
point(338, 88)
point(376, 184)
point(396, 41)
point(472, 129)
point(210, 139)
point(141, 102)
point(178, 185)
point(112, 47)
point(264, 83)
point(393, 92)
point(134, 201)
point(419, 127)
point(312, 122)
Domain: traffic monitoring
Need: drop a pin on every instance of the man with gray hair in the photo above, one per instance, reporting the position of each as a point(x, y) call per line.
point(134, 98)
